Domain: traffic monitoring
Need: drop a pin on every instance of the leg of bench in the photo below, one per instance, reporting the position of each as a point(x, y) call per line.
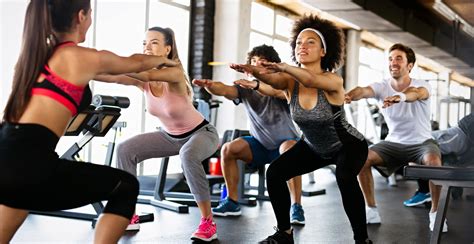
point(441, 212)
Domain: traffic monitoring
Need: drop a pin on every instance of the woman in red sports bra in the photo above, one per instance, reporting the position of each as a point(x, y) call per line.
point(50, 86)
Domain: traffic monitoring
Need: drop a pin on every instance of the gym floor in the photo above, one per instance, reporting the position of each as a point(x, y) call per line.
point(326, 221)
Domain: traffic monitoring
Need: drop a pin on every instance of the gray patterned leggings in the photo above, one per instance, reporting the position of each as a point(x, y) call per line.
point(192, 150)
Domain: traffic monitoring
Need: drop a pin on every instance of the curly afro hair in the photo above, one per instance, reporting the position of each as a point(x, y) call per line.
point(334, 37)
point(264, 51)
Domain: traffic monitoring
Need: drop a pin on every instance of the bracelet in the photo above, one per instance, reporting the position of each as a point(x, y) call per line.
point(258, 85)
point(403, 96)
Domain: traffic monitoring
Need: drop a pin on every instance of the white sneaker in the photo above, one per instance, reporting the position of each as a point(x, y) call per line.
point(372, 215)
point(432, 222)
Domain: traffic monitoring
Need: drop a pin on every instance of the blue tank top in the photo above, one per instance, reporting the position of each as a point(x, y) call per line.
point(325, 126)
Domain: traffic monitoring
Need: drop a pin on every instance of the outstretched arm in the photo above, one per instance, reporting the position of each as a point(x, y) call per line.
point(110, 63)
point(120, 79)
point(261, 88)
point(410, 94)
point(278, 80)
point(359, 93)
point(217, 88)
point(327, 81)
point(169, 74)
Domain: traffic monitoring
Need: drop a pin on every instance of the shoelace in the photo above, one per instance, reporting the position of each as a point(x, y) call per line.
point(206, 225)
point(222, 203)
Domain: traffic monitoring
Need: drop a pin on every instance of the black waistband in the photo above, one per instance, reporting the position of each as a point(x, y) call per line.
point(202, 124)
point(34, 135)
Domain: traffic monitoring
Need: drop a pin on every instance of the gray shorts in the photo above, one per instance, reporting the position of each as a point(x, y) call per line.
point(396, 155)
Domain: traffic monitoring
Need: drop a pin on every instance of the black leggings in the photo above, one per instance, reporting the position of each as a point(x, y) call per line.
point(300, 159)
point(32, 177)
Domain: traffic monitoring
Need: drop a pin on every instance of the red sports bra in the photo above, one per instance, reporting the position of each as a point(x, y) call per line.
point(73, 97)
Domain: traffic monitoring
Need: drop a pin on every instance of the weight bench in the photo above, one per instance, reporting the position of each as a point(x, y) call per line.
point(447, 178)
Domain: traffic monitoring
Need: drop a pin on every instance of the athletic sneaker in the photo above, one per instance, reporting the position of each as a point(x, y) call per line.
point(280, 237)
point(432, 222)
point(372, 215)
point(417, 199)
point(297, 214)
point(206, 231)
point(227, 207)
point(134, 223)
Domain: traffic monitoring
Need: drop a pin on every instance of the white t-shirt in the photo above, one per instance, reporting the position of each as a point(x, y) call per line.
point(408, 122)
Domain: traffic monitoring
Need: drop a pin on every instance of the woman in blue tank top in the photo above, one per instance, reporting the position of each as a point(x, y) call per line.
point(316, 98)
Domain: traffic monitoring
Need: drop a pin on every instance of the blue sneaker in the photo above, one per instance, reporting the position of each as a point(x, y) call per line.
point(417, 199)
point(297, 214)
point(227, 208)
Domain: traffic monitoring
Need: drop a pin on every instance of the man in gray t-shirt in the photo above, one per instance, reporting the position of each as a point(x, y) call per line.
point(271, 128)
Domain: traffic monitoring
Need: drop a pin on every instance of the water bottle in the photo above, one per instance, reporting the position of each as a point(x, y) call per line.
point(223, 192)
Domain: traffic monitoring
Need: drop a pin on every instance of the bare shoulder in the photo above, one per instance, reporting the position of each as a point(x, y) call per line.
point(75, 63)
point(77, 54)
point(334, 76)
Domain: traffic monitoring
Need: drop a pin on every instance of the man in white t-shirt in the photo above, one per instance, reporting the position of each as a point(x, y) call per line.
point(406, 109)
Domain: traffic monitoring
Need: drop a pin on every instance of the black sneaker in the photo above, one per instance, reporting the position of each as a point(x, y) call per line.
point(280, 237)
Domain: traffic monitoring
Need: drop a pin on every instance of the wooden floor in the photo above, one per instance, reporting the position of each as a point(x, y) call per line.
point(326, 221)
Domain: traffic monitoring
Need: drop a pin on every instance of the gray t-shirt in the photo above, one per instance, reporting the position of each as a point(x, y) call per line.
point(270, 119)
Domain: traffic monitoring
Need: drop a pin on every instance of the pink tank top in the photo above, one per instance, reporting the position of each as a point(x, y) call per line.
point(176, 112)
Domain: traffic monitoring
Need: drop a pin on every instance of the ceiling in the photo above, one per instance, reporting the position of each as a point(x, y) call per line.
point(464, 8)
point(414, 23)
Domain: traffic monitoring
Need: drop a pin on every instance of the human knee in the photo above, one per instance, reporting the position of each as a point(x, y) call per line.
point(272, 174)
point(343, 177)
point(432, 159)
point(372, 159)
point(123, 151)
point(286, 145)
point(269, 175)
point(123, 197)
point(228, 151)
point(128, 187)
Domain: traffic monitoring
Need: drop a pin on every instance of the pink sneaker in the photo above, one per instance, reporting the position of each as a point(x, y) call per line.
point(207, 230)
point(134, 223)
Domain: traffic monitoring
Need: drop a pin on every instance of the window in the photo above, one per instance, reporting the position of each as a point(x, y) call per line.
point(259, 13)
point(120, 29)
point(458, 107)
point(432, 78)
point(271, 27)
point(371, 69)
